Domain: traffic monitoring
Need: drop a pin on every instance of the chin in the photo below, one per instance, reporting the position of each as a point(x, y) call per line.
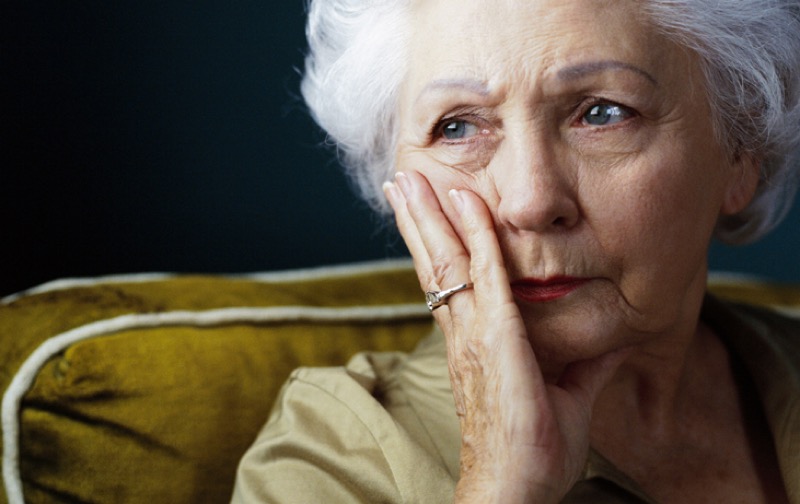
point(561, 335)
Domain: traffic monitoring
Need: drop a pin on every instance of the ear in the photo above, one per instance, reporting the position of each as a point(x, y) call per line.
point(743, 183)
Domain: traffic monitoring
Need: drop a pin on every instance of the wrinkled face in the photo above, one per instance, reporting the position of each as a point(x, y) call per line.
point(589, 138)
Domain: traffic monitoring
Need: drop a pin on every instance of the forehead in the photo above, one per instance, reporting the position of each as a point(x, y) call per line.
point(513, 40)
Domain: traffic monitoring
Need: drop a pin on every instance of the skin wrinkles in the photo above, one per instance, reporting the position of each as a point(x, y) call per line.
point(552, 259)
point(569, 73)
point(583, 69)
point(449, 95)
point(541, 192)
point(538, 100)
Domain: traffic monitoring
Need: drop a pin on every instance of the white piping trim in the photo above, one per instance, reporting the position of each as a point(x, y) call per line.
point(732, 277)
point(789, 311)
point(69, 283)
point(26, 374)
point(723, 279)
point(336, 271)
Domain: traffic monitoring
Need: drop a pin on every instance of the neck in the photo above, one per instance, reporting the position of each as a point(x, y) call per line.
point(664, 387)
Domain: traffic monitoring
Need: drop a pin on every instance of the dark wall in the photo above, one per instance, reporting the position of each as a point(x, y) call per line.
point(168, 136)
point(143, 135)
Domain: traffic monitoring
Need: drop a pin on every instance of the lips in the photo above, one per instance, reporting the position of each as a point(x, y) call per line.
point(540, 291)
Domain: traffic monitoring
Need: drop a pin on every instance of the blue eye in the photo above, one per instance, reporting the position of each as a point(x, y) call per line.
point(604, 114)
point(457, 130)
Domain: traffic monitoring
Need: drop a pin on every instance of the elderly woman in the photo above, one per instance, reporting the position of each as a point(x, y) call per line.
point(557, 169)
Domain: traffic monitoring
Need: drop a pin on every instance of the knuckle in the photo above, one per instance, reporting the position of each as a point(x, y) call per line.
point(442, 272)
point(449, 267)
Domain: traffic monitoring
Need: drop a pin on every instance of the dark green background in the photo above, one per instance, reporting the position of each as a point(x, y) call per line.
point(168, 136)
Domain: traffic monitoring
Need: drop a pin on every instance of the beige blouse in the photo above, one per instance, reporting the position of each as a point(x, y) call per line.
point(383, 429)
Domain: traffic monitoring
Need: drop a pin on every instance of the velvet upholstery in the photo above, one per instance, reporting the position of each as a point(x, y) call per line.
point(163, 413)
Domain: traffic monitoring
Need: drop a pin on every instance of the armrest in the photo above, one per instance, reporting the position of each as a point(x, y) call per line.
point(149, 389)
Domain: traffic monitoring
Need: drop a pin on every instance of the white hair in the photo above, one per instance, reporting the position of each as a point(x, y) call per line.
point(354, 68)
point(749, 51)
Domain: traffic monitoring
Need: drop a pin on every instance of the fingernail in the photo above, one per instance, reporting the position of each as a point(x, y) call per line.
point(457, 199)
point(403, 182)
point(391, 192)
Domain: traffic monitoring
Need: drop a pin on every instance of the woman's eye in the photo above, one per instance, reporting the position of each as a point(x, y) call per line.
point(458, 130)
point(604, 114)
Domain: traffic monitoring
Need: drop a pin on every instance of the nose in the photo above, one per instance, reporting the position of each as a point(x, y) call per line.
point(535, 192)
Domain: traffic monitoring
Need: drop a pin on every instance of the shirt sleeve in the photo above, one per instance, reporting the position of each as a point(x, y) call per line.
point(329, 440)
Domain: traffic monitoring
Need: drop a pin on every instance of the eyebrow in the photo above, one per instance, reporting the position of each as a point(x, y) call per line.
point(583, 69)
point(471, 85)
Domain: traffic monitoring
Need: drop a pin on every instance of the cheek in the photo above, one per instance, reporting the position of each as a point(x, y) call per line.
point(442, 178)
point(657, 222)
point(660, 197)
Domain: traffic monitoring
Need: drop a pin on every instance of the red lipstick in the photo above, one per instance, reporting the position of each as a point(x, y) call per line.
point(535, 290)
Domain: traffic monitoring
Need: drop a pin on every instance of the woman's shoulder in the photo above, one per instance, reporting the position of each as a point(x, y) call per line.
point(345, 434)
point(766, 340)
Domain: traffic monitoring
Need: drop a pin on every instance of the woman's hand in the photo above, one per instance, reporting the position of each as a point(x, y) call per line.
point(523, 440)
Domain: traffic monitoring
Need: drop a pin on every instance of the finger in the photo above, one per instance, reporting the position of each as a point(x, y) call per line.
point(448, 257)
point(487, 268)
point(408, 230)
